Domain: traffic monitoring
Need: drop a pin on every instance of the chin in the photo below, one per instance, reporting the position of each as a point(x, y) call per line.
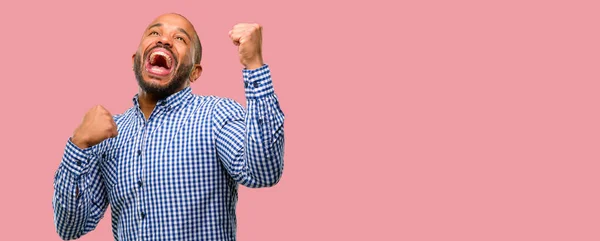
point(158, 80)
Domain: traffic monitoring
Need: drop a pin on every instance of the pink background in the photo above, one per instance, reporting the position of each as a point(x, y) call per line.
point(414, 120)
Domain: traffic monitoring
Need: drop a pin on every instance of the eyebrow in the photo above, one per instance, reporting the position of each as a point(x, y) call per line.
point(180, 29)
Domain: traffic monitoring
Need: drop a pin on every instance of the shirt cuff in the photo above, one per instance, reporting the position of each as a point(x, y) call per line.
point(257, 82)
point(75, 159)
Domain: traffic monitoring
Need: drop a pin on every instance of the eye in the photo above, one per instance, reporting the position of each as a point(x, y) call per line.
point(180, 39)
point(153, 33)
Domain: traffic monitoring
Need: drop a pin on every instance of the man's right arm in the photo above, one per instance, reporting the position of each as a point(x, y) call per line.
point(80, 199)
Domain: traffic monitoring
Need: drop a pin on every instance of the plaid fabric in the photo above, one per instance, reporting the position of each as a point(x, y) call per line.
point(174, 176)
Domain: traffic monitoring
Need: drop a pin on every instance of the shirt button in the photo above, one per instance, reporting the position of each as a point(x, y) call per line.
point(255, 84)
point(140, 183)
point(245, 84)
point(143, 214)
point(103, 155)
point(139, 152)
point(78, 163)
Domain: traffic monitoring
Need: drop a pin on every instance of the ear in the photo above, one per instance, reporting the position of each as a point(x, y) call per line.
point(196, 72)
point(132, 60)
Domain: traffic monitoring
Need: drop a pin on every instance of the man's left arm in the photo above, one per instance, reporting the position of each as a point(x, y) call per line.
point(250, 143)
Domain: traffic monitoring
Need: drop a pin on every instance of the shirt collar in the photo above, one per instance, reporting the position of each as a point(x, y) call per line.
point(172, 102)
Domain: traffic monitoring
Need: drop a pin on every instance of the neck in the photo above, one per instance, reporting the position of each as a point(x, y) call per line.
point(147, 103)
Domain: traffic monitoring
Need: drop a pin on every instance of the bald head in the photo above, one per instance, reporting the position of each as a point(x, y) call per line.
point(187, 27)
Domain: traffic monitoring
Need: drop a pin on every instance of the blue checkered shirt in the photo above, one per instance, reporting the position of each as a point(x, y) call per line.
point(174, 176)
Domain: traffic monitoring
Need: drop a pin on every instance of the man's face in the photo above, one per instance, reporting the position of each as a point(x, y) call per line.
point(164, 61)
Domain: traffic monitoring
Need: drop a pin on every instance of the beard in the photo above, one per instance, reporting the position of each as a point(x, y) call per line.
point(182, 74)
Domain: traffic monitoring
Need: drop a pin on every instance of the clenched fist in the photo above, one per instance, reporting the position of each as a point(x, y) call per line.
point(97, 126)
point(248, 38)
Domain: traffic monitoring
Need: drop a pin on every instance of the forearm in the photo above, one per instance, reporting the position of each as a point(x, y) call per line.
point(264, 141)
point(77, 194)
point(70, 210)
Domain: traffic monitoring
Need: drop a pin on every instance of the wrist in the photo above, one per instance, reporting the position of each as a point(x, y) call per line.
point(254, 63)
point(79, 141)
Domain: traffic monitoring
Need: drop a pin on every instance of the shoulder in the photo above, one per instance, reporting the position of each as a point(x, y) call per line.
point(125, 116)
point(228, 106)
point(218, 108)
point(217, 103)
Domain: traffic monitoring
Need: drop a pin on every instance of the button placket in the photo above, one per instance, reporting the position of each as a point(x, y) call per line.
point(141, 172)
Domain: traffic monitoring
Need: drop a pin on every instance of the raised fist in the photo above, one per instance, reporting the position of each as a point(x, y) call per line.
point(248, 38)
point(97, 126)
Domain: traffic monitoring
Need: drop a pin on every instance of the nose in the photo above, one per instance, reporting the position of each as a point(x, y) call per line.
point(164, 41)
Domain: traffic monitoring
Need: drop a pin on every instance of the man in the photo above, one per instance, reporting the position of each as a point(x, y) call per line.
point(170, 165)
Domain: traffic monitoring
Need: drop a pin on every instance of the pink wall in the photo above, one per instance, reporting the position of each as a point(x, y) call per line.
point(432, 120)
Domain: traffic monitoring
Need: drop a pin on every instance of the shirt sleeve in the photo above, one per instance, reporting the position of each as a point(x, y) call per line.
point(79, 199)
point(250, 142)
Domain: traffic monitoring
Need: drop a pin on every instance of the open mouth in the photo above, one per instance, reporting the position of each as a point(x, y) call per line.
point(159, 62)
